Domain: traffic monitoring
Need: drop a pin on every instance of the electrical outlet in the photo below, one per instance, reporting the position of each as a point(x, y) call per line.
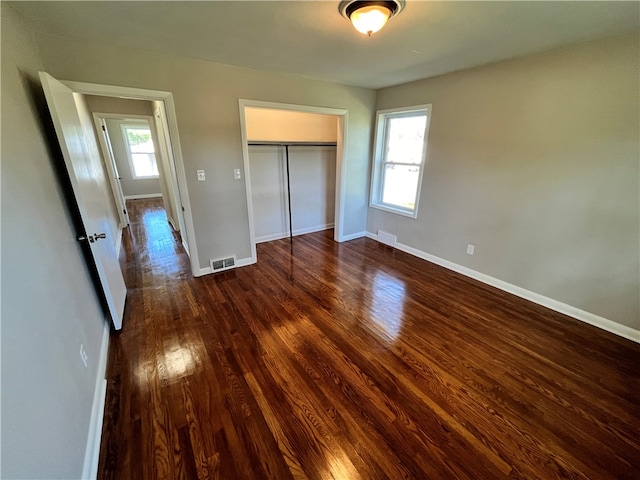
point(470, 249)
point(236, 174)
point(201, 177)
point(83, 356)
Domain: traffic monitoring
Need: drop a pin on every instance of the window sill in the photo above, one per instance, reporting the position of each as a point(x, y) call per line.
point(396, 210)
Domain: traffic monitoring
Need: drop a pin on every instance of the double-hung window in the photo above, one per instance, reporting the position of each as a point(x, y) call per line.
point(140, 151)
point(399, 157)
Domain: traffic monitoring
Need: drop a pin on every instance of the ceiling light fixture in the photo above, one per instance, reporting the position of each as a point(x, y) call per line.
point(370, 16)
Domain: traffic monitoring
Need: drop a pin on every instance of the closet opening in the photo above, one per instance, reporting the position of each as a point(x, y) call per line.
point(313, 171)
point(293, 162)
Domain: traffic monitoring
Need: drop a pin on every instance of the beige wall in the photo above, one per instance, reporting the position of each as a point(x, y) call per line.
point(535, 162)
point(206, 100)
point(289, 126)
point(49, 306)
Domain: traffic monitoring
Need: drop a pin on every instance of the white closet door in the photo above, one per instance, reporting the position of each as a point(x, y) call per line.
point(312, 171)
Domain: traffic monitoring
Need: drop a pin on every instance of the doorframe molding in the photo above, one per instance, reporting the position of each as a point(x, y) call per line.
point(341, 164)
point(166, 98)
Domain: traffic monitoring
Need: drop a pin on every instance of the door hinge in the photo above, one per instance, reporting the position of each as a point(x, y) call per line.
point(182, 208)
point(103, 129)
point(124, 211)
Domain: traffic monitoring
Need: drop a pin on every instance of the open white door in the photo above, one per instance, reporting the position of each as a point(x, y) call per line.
point(84, 178)
point(112, 170)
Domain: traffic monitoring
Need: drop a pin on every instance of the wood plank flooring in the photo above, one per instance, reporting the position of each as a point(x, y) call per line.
point(354, 361)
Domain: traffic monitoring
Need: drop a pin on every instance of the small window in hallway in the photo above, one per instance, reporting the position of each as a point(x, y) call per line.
point(142, 156)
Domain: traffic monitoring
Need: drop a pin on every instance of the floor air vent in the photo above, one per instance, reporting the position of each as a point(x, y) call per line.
point(386, 238)
point(222, 264)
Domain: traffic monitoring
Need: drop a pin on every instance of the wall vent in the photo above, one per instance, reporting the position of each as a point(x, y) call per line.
point(222, 264)
point(387, 238)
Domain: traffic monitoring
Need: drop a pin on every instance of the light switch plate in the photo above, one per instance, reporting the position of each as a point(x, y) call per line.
point(201, 177)
point(236, 174)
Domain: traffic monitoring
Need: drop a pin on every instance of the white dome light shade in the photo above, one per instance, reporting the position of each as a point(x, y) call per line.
point(369, 20)
point(369, 16)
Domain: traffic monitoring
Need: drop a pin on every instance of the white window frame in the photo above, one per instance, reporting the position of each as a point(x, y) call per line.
point(379, 152)
point(125, 139)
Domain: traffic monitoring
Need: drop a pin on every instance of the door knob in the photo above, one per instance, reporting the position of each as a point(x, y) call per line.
point(98, 236)
point(84, 238)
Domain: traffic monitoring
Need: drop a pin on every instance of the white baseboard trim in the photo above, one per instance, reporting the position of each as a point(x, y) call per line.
point(243, 262)
point(92, 450)
point(299, 231)
point(142, 195)
point(574, 312)
point(352, 236)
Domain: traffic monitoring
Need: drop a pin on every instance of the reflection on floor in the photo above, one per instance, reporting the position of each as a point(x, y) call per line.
point(350, 361)
point(152, 237)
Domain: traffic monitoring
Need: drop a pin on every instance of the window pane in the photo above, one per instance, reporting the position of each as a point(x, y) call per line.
point(405, 139)
point(144, 164)
point(139, 140)
point(399, 155)
point(400, 185)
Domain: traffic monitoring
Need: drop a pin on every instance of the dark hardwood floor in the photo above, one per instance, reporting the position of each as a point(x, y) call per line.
point(354, 361)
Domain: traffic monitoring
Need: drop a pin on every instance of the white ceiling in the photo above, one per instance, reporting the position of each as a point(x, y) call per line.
point(310, 38)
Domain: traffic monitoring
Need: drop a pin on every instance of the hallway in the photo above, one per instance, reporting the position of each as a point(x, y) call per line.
point(349, 361)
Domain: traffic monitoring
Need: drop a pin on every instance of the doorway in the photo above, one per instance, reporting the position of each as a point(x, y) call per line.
point(339, 117)
point(164, 117)
point(136, 160)
point(136, 163)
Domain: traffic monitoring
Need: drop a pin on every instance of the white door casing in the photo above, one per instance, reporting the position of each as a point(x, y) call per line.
point(84, 177)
